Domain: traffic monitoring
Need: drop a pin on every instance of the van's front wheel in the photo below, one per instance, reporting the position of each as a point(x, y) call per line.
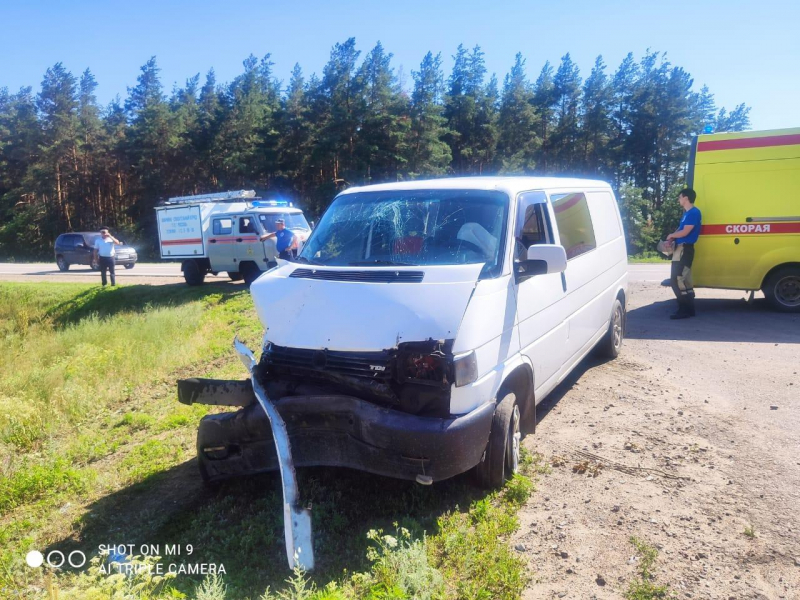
point(611, 343)
point(782, 289)
point(501, 458)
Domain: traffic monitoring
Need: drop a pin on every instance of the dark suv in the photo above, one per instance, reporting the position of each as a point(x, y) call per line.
point(78, 249)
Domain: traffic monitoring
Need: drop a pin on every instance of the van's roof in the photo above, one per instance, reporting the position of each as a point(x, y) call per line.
point(510, 185)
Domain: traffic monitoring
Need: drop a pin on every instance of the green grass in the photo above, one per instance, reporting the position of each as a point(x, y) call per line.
point(95, 449)
point(643, 587)
point(647, 258)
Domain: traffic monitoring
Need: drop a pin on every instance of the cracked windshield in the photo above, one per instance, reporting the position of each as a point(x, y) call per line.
point(411, 228)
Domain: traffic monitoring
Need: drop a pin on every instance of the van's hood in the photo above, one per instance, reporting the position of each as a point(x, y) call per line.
point(303, 312)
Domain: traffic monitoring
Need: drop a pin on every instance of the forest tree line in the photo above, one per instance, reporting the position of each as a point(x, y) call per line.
point(69, 164)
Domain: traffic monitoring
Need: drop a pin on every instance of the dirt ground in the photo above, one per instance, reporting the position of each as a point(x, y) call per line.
point(706, 413)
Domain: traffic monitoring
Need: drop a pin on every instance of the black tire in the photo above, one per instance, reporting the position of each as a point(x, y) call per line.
point(63, 265)
point(95, 264)
point(130, 265)
point(501, 458)
point(193, 273)
point(611, 344)
point(250, 272)
point(782, 289)
point(235, 275)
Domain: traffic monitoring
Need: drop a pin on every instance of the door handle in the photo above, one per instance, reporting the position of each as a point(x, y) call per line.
point(212, 241)
point(238, 239)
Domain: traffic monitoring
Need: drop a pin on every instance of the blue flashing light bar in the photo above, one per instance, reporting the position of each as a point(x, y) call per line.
point(267, 203)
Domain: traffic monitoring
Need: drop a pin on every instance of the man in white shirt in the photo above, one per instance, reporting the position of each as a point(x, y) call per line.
point(104, 252)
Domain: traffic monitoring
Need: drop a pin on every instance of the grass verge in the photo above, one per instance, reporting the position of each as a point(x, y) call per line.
point(95, 450)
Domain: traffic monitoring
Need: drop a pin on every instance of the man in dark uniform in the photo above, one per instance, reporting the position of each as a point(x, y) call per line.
point(684, 239)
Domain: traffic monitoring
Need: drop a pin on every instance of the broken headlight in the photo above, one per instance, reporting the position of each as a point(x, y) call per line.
point(425, 367)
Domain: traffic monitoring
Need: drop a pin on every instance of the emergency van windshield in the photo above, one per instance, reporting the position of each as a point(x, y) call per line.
point(421, 227)
point(292, 221)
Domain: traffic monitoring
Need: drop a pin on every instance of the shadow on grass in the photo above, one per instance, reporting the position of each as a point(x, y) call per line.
point(240, 523)
point(105, 302)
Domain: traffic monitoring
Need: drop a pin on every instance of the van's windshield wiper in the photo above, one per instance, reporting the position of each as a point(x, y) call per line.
point(303, 259)
point(378, 262)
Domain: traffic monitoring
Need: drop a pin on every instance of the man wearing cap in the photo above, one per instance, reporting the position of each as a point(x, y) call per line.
point(104, 252)
point(284, 239)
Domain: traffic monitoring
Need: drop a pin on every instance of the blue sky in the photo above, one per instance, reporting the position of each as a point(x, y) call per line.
point(744, 51)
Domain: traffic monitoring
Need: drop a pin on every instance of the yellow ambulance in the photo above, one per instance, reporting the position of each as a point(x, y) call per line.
point(748, 189)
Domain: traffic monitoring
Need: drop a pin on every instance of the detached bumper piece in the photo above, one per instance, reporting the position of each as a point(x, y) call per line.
point(296, 520)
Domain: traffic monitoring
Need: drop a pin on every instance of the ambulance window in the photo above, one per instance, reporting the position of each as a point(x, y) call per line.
point(222, 226)
point(246, 225)
point(574, 223)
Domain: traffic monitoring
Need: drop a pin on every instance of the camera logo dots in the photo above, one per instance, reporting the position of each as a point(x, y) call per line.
point(34, 558)
point(55, 558)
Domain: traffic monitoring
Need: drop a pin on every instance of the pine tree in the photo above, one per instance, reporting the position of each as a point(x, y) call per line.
point(566, 134)
point(596, 122)
point(56, 173)
point(543, 101)
point(429, 154)
point(385, 120)
point(518, 122)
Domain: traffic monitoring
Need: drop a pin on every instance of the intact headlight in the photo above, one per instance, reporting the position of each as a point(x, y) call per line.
point(466, 368)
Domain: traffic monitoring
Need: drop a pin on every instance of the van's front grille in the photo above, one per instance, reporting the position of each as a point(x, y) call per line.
point(365, 276)
point(375, 366)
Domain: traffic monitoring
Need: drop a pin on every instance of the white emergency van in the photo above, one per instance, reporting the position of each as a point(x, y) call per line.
point(420, 326)
point(222, 232)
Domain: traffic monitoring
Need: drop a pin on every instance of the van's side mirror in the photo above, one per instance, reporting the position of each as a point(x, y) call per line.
point(542, 259)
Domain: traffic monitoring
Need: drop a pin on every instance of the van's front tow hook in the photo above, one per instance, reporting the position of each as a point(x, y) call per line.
point(296, 520)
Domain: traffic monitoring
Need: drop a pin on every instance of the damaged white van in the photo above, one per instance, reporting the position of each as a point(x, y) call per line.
point(420, 326)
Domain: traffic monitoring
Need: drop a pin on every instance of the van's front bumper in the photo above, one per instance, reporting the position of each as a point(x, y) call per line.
point(344, 431)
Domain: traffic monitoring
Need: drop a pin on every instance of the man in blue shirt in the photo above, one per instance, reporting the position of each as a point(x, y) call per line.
point(284, 239)
point(684, 239)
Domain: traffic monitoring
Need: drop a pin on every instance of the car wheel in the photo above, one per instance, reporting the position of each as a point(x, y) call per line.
point(192, 272)
point(129, 265)
point(502, 455)
point(611, 344)
point(63, 265)
point(782, 289)
point(235, 275)
point(95, 264)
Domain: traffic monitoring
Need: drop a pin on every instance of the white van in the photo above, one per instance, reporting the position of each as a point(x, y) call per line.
point(422, 323)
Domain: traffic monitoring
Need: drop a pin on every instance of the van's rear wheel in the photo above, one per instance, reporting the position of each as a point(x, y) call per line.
point(63, 265)
point(782, 289)
point(235, 275)
point(501, 458)
point(611, 343)
point(192, 273)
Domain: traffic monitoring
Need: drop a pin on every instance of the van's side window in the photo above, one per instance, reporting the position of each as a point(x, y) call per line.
point(222, 226)
point(533, 226)
point(574, 223)
point(246, 225)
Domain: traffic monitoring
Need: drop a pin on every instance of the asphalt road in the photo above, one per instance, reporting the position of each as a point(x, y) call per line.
point(169, 272)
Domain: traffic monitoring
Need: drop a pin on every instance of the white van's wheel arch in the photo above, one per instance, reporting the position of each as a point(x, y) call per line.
point(520, 383)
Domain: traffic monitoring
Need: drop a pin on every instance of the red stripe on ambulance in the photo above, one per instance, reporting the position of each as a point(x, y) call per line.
point(749, 228)
point(756, 142)
point(181, 242)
